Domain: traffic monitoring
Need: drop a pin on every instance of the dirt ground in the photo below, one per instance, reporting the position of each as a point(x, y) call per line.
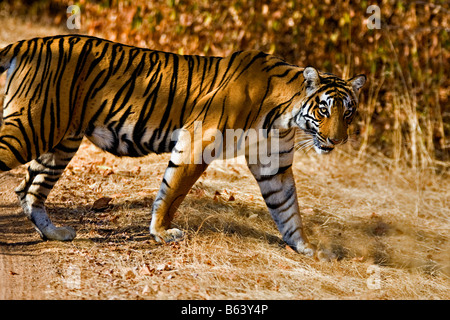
point(389, 228)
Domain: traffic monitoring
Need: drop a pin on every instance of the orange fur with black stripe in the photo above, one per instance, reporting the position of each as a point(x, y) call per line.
point(133, 101)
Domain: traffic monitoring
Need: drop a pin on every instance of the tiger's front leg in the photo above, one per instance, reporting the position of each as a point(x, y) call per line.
point(179, 177)
point(176, 183)
point(277, 185)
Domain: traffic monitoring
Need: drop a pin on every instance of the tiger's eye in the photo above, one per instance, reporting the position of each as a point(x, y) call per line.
point(323, 111)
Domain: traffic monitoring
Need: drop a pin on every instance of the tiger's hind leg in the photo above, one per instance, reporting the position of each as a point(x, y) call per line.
point(11, 148)
point(42, 175)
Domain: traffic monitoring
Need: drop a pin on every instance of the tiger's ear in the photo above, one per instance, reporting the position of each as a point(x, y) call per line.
point(312, 79)
point(357, 82)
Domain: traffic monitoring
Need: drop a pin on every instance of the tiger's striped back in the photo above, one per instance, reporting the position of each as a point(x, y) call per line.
point(119, 95)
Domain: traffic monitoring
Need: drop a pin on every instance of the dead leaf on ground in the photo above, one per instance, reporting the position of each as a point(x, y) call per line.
point(216, 195)
point(101, 204)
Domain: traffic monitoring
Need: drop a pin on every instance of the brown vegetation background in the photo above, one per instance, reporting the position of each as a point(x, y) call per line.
point(405, 112)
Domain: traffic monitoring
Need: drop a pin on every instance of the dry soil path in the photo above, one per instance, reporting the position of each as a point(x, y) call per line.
point(26, 269)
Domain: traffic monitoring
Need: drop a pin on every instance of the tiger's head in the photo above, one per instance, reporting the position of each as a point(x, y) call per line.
point(328, 108)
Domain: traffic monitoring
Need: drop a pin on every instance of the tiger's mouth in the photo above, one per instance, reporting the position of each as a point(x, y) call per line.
point(316, 141)
point(321, 147)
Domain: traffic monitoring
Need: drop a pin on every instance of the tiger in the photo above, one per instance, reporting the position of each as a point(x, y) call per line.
point(132, 101)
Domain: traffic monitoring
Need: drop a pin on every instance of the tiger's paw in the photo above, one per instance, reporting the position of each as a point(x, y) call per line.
point(59, 233)
point(306, 248)
point(311, 251)
point(169, 235)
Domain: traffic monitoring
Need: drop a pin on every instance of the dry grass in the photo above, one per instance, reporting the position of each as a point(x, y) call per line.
point(366, 214)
